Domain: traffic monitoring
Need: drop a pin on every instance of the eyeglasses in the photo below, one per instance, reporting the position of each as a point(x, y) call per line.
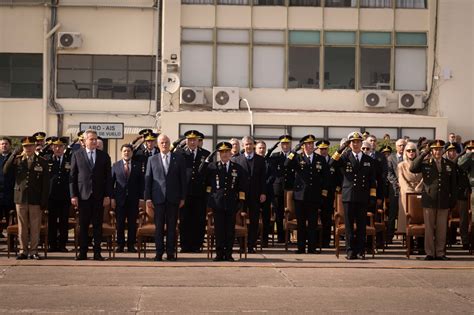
point(365, 149)
point(411, 150)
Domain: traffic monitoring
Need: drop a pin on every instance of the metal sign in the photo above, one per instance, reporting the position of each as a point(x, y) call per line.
point(104, 130)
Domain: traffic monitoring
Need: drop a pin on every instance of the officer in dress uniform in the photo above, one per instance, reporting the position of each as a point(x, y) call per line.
point(277, 164)
point(30, 196)
point(358, 191)
point(146, 150)
point(438, 196)
point(309, 191)
point(40, 139)
point(225, 181)
point(59, 165)
point(193, 214)
point(333, 186)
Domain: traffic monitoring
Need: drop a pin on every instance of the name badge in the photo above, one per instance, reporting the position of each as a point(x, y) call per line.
point(38, 168)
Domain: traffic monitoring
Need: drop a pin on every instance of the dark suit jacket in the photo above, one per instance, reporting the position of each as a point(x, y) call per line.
point(280, 172)
point(256, 176)
point(6, 187)
point(359, 183)
point(59, 178)
point(195, 180)
point(161, 188)
point(86, 181)
point(130, 188)
point(392, 172)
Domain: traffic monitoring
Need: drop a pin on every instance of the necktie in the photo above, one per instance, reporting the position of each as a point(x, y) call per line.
point(126, 169)
point(357, 158)
point(166, 163)
point(194, 154)
point(91, 158)
point(30, 161)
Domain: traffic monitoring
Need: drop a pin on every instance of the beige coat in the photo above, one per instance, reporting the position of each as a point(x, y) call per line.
point(409, 182)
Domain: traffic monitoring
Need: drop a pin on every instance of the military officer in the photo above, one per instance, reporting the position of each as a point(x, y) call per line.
point(466, 163)
point(333, 185)
point(193, 214)
point(309, 191)
point(59, 165)
point(30, 196)
point(146, 150)
point(40, 139)
point(7, 181)
point(225, 181)
point(358, 191)
point(439, 195)
point(277, 164)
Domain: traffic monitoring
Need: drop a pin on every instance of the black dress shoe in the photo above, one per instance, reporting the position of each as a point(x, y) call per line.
point(442, 258)
point(35, 257)
point(361, 256)
point(132, 250)
point(119, 249)
point(218, 258)
point(21, 257)
point(429, 257)
point(98, 257)
point(185, 250)
point(158, 258)
point(230, 258)
point(351, 257)
point(300, 251)
point(81, 257)
point(171, 257)
point(313, 251)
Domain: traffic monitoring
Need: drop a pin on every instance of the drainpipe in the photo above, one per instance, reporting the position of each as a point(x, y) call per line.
point(46, 37)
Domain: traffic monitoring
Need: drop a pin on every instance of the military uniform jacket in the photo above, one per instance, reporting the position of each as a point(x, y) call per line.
point(225, 188)
point(31, 184)
point(6, 187)
point(195, 180)
point(466, 162)
point(334, 180)
point(141, 155)
point(439, 188)
point(463, 185)
point(310, 178)
point(358, 178)
point(280, 172)
point(59, 177)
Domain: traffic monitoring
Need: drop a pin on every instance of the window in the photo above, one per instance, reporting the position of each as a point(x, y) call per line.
point(375, 3)
point(106, 76)
point(341, 3)
point(410, 61)
point(305, 3)
point(375, 62)
point(303, 59)
point(196, 57)
point(411, 4)
point(337, 133)
point(339, 62)
point(233, 2)
point(268, 59)
point(268, 2)
point(415, 133)
point(21, 75)
point(197, 1)
point(233, 58)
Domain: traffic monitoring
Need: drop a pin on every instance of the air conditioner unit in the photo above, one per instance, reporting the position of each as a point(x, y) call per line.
point(410, 100)
point(224, 98)
point(375, 99)
point(191, 95)
point(69, 40)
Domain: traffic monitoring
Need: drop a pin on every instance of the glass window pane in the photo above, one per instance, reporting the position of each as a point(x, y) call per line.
point(409, 39)
point(416, 133)
point(305, 37)
point(75, 61)
point(375, 68)
point(196, 34)
point(110, 62)
point(381, 132)
point(26, 60)
point(233, 66)
point(341, 3)
point(305, 3)
point(205, 129)
point(233, 131)
point(80, 76)
point(410, 69)
point(196, 65)
point(340, 65)
point(268, 67)
point(67, 90)
point(375, 3)
point(140, 63)
point(26, 90)
point(262, 132)
point(116, 76)
point(375, 38)
point(411, 4)
point(4, 74)
point(5, 89)
point(233, 2)
point(303, 67)
point(268, 37)
point(268, 2)
point(197, 1)
point(26, 75)
point(301, 131)
point(337, 133)
point(233, 36)
point(5, 60)
point(340, 38)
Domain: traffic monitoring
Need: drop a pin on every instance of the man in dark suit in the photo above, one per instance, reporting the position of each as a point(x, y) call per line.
point(277, 164)
point(128, 185)
point(309, 191)
point(7, 181)
point(193, 214)
point(90, 184)
point(394, 188)
point(358, 191)
point(255, 171)
point(59, 203)
point(165, 191)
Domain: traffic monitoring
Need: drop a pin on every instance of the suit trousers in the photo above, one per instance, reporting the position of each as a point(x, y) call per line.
point(166, 214)
point(306, 212)
point(355, 212)
point(29, 216)
point(253, 211)
point(436, 225)
point(392, 212)
point(224, 226)
point(127, 212)
point(91, 211)
point(58, 215)
point(326, 218)
point(266, 217)
point(193, 222)
point(279, 208)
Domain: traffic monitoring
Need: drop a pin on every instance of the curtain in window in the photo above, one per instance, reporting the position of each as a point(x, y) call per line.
point(376, 3)
point(411, 4)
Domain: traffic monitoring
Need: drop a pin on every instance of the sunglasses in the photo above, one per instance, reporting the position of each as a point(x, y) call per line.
point(365, 149)
point(411, 150)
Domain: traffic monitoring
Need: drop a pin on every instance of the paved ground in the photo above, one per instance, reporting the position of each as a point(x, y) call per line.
point(271, 281)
